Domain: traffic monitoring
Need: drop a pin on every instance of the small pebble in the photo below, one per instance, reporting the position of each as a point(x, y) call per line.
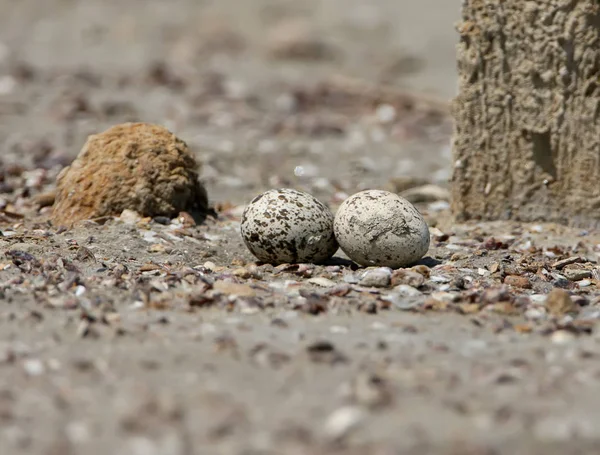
point(377, 278)
point(403, 303)
point(377, 325)
point(562, 337)
point(576, 274)
point(559, 302)
point(350, 278)
point(440, 279)
point(584, 283)
point(385, 113)
point(406, 290)
point(164, 220)
point(535, 314)
point(78, 432)
point(517, 281)
point(343, 421)
point(589, 314)
point(538, 298)
point(129, 216)
point(438, 206)
point(445, 296)
point(559, 280)
point(296, 39)
point(34, 367)
point(157, 248)
point(235, 289)
point(409, 277)
point(323, 282)
point(564, 262)
point(208, 265)
point(426, 193)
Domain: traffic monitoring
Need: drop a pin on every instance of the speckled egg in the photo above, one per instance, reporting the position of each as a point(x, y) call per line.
point(380, 228)
point(288, 226)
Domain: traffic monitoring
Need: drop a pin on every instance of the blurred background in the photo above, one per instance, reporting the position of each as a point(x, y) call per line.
point(330, 95)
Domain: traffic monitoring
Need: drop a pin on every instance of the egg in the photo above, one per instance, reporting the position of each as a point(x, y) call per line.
point(380, 228)
point(288, 226)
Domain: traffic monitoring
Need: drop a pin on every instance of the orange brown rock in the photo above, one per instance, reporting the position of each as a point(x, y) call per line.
point(559, 302)
point(135, 166)
point(517, 281)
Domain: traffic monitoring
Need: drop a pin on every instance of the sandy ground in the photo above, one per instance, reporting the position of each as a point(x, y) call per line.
point(135, 337)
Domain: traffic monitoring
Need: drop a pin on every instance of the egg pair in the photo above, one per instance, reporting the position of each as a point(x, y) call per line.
point(373, 227)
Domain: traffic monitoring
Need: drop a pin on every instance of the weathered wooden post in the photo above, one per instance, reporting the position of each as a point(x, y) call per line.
point(527, 116)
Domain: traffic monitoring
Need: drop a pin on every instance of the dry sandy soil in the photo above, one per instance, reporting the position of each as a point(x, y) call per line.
point(153, 336)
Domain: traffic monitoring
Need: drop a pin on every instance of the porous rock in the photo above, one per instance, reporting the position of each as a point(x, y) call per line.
point(134, 166)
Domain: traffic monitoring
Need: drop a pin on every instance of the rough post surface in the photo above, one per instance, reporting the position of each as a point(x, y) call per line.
point(527, 135)
point(135, 166)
